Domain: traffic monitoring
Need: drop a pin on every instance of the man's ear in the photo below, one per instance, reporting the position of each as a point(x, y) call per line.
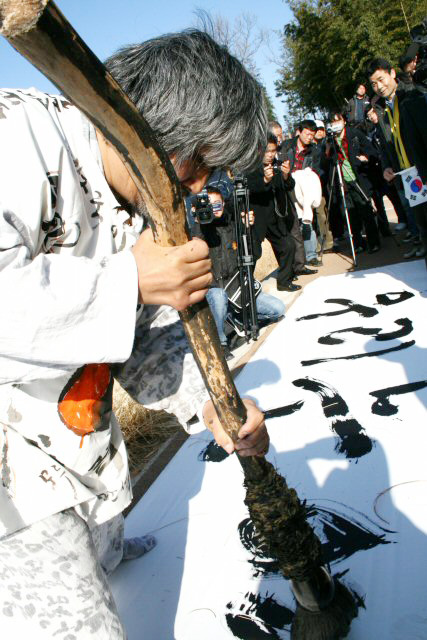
point(393, 74)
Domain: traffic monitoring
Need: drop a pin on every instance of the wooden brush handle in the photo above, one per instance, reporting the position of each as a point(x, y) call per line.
point(41, 33)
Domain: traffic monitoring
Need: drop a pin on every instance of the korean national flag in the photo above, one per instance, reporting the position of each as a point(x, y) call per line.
point(415, 190)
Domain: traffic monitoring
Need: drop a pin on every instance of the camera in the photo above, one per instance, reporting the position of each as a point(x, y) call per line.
point(333, 129)
point(276, 167)
point(203, 210)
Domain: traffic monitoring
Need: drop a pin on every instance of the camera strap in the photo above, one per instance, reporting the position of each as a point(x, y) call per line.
point(276, 206)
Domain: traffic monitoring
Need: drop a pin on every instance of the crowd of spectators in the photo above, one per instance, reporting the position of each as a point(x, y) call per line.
point(322, 188)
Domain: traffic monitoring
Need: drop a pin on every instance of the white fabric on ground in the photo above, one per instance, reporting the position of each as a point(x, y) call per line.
point(371, 508)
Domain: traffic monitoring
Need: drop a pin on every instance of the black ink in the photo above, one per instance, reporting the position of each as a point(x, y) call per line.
point(406, 329)
point(356, 356)
point(261, 561)
point(53, 179)
point(383, 407)
point(212, 453)
point(343, 531)
point(96, 200)
point(257, 617)
point(328, 339)
point(287, 410)
point(365, 312)
point(353, 441)
point(405, 323)
point(103, 460)
point(386, 300)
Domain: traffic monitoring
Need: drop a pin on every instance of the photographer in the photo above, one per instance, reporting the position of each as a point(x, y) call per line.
point(402, 132)
point(303, 153)
point(269, 197)
point(219, 235)
point(354, 154)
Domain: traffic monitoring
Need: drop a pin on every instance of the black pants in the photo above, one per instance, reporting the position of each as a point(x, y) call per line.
point(361, 215)
point(283, 246)
point(295, 232)
point(382, 220)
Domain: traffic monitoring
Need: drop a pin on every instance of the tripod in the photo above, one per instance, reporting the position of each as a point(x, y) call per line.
point(245, 258)
point(336, 172)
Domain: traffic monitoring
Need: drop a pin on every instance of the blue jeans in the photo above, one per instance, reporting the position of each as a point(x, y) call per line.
point(268, 307)
point(310, 245)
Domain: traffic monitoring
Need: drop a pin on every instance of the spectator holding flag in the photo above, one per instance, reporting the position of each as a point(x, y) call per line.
point(403, 138)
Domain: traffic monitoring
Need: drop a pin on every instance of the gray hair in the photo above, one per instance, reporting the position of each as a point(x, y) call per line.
point(199, 100)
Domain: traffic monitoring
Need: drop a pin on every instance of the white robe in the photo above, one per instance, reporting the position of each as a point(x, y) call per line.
point(68, 285)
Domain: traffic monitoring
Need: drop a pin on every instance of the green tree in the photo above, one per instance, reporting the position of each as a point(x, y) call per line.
point(269, 104)
point(328, 43)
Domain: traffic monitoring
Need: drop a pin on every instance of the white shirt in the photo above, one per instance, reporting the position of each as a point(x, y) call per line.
point(68, 287)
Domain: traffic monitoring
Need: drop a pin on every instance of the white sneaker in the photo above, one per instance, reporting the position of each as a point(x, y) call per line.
point(420, 253)
point(411, 253)
point(400, 226)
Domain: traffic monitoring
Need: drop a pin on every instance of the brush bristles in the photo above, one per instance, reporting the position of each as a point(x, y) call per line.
point(281, 519)
point(332, 623)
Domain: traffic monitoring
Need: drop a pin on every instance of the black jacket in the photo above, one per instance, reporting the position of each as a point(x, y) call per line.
point(351, 110)
point(413, 130)
point(263, 199)
point(219, 236)
point(312, 157)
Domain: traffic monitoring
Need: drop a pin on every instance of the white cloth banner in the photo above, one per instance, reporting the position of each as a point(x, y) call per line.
point(415, 190)
point(348, 367)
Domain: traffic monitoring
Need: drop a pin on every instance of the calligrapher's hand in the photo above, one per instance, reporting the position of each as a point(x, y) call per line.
point(176, 276)
point(253, 436)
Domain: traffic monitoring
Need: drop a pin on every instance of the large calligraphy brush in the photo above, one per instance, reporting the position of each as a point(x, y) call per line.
point(38, 30)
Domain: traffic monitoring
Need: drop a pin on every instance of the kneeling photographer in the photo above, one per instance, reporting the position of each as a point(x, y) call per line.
point(214, 222)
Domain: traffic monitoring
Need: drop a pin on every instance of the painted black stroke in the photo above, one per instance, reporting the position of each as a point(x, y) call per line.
point(353, 441)
point(342, 531)
point(386, 299)
point(214, 453)
point(357, 356)
point(287, 410)
point(258, 617)
point(383, 407)
point(406, 329)
point(360, 309)
point(259, 558)
point(344, 535)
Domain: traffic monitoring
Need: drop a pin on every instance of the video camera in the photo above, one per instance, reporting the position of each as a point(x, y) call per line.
point(332, 130)
point(203, 209)
point(419, 37)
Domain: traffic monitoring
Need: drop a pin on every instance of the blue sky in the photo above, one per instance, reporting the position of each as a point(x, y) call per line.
point(107, 24)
